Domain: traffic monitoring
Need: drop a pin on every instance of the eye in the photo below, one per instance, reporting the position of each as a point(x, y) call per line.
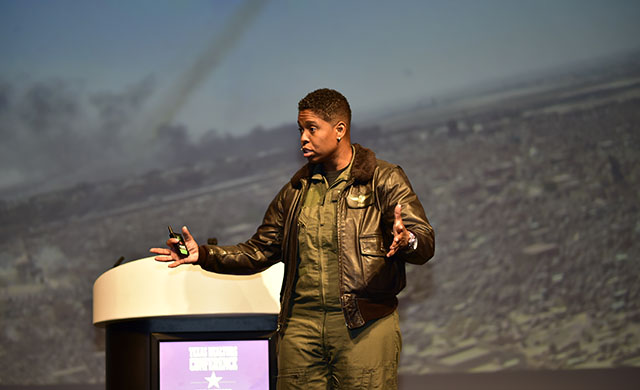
point(312, 129)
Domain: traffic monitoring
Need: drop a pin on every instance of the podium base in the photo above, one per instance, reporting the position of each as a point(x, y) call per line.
point(131, 362)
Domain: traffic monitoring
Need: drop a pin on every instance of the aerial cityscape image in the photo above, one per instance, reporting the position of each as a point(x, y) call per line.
point(518, 124)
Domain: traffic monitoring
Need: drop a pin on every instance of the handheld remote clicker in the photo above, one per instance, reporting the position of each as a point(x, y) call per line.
point(180, 248)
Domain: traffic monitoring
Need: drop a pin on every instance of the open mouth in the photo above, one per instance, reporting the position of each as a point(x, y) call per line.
point(307, 152)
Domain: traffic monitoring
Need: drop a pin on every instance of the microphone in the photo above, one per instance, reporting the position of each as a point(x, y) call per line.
point(118, 262)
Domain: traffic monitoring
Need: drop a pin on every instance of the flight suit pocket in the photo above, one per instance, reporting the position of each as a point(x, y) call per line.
point(292, 379)
point(303, 217)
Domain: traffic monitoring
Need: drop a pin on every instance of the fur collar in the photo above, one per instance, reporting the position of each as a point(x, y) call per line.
point(364, 164)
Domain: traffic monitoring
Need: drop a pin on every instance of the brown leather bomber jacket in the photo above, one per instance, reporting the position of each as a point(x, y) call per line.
point(369, 281)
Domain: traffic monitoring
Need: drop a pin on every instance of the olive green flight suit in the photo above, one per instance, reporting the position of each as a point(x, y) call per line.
point(317, 350)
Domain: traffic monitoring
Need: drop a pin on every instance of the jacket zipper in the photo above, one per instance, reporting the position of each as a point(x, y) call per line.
point(290, 264)
point(339, 219)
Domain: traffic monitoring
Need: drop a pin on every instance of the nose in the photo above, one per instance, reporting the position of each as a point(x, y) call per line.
point(304, 137)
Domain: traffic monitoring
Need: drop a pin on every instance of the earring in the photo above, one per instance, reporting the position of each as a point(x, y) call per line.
point(339, 139)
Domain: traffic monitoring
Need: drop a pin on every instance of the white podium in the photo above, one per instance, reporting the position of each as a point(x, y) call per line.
point(148, 288)
point(142, 298)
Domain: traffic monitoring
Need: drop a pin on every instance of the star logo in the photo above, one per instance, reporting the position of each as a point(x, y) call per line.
point(213, 380)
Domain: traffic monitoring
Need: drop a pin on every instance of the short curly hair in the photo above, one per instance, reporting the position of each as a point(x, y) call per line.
point(327, 103)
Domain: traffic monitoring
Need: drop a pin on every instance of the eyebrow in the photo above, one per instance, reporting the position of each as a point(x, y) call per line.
point(308, 123)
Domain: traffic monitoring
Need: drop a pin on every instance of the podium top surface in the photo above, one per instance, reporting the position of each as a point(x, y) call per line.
point(148, 288)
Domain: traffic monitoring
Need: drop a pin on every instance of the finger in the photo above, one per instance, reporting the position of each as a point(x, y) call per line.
point(398, 225)
point(172, 241)
point(398, 213)
point(393, 248)
point(176, 263)
point(187, 235)
point(160, 251)
point(392, 251)
point(163, 258)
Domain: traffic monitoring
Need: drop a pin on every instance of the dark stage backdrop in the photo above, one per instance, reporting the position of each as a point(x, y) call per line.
point(518, 125)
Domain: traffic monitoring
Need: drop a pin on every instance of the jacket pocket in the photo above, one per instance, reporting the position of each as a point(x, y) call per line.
point(378, 271)
point(372, 245)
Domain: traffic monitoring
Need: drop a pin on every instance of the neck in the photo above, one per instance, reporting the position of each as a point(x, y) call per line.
point(342, 158)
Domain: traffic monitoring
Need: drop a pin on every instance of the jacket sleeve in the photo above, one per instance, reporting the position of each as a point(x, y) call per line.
point(394, 188)
point(258, 253)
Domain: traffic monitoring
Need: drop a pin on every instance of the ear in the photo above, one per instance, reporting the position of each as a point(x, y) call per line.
point(341, 129)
